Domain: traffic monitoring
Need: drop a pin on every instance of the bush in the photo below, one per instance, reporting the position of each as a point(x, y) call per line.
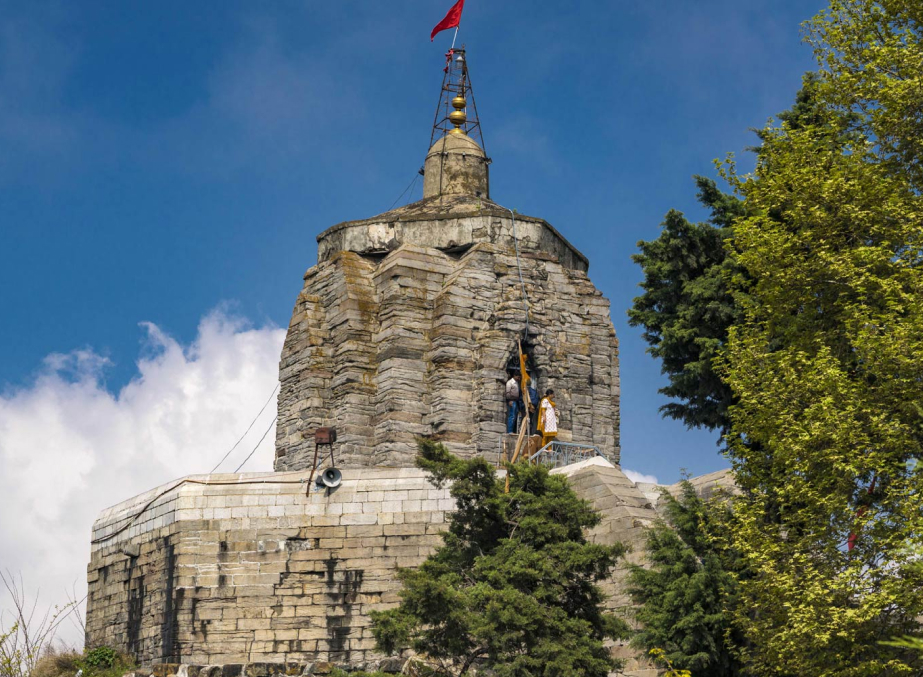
point(57, 663)
point(100, 661)
point(100, 658)
point(103, 661)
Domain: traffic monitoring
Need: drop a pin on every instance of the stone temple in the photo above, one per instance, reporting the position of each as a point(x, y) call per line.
point(404, 329)
point(405, 326)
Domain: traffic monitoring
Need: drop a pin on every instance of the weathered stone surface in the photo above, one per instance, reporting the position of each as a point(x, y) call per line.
point(706, 487)
point(626, 512)
point(236, 570)
point(245, 575)
point(165, 669)
point(391, 665)
point(450, 223)
point(416, 344)
point(406, 325)
point(456, 165)
point(403, 329)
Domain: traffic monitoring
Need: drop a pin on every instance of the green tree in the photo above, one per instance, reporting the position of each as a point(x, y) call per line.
point(827, 428)
point(30, 636)
point(871, 53)
point(687, 307)
point(514, 587)
point(908, 642)
point(824, 356)
point(685, 593)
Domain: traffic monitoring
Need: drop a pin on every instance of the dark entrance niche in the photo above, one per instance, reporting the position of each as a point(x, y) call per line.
point(512, 364)
point(375, 257)
point(512, 367)
point(458, 251)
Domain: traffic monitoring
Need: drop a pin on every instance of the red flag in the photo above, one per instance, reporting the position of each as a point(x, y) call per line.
point(452, 19)
point(853, 536)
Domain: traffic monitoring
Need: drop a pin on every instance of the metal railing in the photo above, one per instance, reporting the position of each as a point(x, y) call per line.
point(559, 454)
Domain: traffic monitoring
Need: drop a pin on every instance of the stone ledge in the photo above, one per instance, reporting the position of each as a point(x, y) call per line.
point(387, 665)
point(244, 501)
point(264, 669)
point(448, 227)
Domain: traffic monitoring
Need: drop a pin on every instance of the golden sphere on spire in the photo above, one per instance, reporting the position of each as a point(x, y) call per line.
point(459, 102)
point(458, 117)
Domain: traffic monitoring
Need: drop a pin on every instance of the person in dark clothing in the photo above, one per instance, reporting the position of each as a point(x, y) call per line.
point(513, 402)
point(533, 406)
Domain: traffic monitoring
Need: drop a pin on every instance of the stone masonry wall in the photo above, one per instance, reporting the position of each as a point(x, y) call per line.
point(416, 343)
point(447, 223)
point(231, 569)
point(626, 513)
point(243, 568)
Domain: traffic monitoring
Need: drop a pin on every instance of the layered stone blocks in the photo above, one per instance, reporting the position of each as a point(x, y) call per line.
point(244, 568)
point(387, 347)
point(449, 223)
point(234, 569)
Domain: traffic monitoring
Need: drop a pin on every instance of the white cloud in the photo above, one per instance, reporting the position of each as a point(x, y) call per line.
point(637, 477)
point(69, 447)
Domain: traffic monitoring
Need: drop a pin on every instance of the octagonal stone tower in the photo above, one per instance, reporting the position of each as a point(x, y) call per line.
point(405, 326)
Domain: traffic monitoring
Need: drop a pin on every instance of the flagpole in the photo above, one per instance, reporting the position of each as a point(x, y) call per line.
point(456, 36)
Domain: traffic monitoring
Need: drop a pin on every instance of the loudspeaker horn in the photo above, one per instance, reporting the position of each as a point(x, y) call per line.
point(330, 478)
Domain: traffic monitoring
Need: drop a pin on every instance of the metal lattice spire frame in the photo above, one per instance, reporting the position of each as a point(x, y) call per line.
point(456, 82)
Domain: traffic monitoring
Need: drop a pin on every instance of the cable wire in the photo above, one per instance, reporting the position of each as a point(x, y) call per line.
point(247, 431)
point(411, 185)
point(273, 479)
point(257, 444)
point(133, 518)
point(525, 297)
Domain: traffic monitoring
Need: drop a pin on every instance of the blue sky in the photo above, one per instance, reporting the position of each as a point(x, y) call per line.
point(161, 160)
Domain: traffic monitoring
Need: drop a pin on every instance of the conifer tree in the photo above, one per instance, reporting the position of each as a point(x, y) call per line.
point(687, 307)
point(685, 592)
point(688, 304)
point(514, 587)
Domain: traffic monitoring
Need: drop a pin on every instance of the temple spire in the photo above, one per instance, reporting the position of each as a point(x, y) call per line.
point(456, 164)
point(457, 112)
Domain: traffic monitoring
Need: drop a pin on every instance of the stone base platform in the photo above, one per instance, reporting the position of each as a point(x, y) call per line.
point(251, 569)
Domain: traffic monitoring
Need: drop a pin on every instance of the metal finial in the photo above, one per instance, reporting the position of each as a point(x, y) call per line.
point(457, 111)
